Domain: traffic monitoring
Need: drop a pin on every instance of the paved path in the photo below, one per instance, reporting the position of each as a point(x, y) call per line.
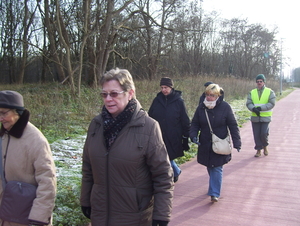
point(262, 191)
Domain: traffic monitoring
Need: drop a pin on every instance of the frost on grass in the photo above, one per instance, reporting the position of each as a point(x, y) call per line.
point(67, 155)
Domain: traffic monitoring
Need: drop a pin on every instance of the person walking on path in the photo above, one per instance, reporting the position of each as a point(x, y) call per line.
point(26, 157)
point(169, 110)
point(261, 101)
point(127, 178)
point(221, 119)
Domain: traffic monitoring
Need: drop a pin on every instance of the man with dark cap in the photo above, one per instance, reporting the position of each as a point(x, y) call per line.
point(260, 102)
point(26, 157)
point(169, 110)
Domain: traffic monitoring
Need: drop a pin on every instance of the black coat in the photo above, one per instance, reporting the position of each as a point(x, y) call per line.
point(171, 114)
point(221, 117)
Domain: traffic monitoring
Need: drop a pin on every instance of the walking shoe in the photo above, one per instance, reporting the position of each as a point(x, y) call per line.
point(266, 151)
point(176, 179)
point(257, 153)
point(214, 199)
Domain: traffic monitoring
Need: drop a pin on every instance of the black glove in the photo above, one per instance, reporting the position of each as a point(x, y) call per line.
point(159, 223)
point(185, 143)
point(86, 211)
point(195, 140)
point(238, 149)
point(256, 111)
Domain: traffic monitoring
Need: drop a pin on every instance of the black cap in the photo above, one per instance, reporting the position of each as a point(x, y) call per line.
point(208, 83)
point(166, 82)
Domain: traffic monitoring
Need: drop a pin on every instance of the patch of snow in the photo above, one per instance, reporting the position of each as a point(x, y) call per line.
point(69, 153)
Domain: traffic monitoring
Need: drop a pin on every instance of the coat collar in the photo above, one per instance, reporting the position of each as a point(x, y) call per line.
point(19, 127)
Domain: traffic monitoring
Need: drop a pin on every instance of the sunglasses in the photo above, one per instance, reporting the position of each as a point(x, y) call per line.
point(260, 81)
point(112, 94)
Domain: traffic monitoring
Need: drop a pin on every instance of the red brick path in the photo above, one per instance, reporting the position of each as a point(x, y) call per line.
point(256, 191)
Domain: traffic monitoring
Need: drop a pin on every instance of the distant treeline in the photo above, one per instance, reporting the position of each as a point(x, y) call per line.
point(75, 42)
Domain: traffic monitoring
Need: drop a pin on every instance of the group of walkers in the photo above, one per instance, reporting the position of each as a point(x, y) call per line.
point(128, 167)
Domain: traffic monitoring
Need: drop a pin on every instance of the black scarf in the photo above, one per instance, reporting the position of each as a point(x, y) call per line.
point(113, 126)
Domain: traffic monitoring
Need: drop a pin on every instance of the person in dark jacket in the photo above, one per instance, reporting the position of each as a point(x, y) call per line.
point(221, 119)
point(169, 110)
point(127, 178)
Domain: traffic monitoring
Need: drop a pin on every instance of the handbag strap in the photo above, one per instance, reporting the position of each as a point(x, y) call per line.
point(1, 166)
point(211, 131)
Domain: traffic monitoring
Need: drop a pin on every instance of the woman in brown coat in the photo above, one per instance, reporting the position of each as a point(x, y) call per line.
point(126, 174)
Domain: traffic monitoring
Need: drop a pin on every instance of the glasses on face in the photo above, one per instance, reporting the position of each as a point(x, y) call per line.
point(210, 95)
point(112, 94)
point(3, 114)
point(259, 81)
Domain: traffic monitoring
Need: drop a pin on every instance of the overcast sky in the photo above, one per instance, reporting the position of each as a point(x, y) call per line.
point(283, 14)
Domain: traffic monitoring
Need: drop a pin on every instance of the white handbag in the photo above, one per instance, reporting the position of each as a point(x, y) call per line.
point(219, 146)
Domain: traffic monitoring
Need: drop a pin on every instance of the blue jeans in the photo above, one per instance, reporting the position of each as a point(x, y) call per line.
point(176, 169)
point(215, 180)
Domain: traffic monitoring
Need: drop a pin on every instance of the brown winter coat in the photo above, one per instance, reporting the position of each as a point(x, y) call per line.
point(29, 159)
point(131, 183)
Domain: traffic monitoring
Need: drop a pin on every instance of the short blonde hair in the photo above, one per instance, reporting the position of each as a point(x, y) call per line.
point(122, 76)
point(214, 89)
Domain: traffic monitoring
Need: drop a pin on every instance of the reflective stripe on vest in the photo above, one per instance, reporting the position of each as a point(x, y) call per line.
point(261, 101)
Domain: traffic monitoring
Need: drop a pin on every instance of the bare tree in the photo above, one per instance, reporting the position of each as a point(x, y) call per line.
point(55, 52)
point(155, 32)
point(10, 40)
point(76, 41)
point(27, 23)
point(244, 46)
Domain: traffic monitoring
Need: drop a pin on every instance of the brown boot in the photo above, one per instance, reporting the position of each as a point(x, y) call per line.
point(257, 153)
point(266, 151)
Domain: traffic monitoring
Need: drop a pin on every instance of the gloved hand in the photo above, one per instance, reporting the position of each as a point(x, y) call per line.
point(238, 149)
point(195, 140)
point(159, 223)
point(256, 110)
point(185, 143)
point(86, 211)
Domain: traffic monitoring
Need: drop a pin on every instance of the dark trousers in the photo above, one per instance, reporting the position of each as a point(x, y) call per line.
point(260, 134)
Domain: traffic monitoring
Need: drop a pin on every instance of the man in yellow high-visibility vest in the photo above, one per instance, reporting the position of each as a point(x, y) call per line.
point(261, 101)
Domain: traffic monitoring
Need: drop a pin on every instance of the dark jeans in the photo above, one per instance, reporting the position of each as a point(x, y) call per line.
point(260, 134)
